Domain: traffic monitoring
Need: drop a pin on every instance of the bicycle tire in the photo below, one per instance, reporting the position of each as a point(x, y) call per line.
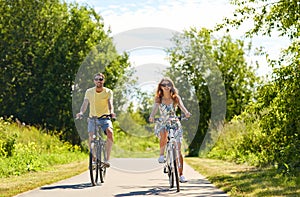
point(102, 169)
point(93, 169)
point(176, 173)
point(170, 169)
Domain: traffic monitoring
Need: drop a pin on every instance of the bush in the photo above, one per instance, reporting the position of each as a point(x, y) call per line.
point(25, 148)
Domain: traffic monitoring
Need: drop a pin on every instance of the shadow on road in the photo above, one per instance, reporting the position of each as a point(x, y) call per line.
point(194, 187)
point(149, 191)
point(74, 186)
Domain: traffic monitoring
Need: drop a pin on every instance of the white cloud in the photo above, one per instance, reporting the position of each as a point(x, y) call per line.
point(171, 14)
point(177, 15)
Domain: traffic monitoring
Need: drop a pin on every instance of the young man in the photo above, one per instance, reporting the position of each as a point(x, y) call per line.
point(100, 101)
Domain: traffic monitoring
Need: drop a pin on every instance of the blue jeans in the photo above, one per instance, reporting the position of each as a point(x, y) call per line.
point(103, 122)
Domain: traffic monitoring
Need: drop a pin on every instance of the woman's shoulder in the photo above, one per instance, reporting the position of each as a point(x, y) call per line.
point(157, 99)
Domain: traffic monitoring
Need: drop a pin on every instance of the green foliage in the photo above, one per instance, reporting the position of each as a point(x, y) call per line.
point(42, 45)
point(268, 131)
point(134, 136)
point(129, 143)
point(276, 107)
point(267, 16)
point(242, 141)
point(24, 148)
point(214, 67)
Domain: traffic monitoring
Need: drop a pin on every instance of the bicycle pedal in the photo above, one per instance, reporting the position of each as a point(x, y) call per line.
point(93, 167)
point(165, 170)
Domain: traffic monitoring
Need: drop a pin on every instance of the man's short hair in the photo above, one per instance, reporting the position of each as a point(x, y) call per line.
point(100, 75)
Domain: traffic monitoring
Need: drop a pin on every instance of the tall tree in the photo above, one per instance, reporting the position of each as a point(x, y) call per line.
point(42, 46)
point(218, 72)
point(279, 98)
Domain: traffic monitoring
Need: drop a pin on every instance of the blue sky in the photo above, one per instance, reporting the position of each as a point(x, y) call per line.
point(173, 14)
point(121, 16)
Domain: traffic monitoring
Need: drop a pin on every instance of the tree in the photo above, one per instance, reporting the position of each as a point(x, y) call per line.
point(43, 44)
point(219, 74)
point(278, 100)
point(268, 16)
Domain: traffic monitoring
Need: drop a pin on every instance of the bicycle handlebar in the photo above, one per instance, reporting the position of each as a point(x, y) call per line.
point(103, 116)
point(173, 117)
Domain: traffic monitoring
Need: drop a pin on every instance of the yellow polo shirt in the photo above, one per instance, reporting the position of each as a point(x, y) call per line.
point(98, 101)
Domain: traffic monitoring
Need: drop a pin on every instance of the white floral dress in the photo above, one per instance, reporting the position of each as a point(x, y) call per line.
point(169, 121)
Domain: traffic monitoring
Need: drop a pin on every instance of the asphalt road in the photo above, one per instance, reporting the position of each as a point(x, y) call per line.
point(129, 177)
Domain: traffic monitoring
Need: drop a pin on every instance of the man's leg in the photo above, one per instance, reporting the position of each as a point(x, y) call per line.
point(109, 142)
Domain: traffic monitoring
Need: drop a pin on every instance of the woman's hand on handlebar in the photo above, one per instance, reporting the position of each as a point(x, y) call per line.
point(151, 119)
point(187, 115)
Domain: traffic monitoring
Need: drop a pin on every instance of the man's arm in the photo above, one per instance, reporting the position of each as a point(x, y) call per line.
point(83, 108)
point(111, 106)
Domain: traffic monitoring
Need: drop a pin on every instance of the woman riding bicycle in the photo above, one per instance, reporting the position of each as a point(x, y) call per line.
point(166, 100)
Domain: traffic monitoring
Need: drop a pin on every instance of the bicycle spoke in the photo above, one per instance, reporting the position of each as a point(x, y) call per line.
point(102, 169)
point(93, 167)
point(176, 173)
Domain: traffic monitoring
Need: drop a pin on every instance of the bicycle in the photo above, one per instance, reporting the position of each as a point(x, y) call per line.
point(97, 154)
point(172, 161)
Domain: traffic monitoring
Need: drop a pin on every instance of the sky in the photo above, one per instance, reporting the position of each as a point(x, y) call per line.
point(174, 15)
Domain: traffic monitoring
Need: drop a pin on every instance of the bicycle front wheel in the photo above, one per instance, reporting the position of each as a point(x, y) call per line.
point(102, 168)
point(93, 167)
point(175, 167)
point(170, 169)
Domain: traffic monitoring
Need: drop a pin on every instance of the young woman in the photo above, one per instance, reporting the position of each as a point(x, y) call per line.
point(167, 100)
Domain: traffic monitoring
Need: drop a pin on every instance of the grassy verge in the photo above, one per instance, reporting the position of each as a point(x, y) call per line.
point(243, 180)
point(13, 185)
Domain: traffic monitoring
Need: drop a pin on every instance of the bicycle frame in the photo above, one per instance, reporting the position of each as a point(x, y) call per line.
point(172, 159)
point(172, 163)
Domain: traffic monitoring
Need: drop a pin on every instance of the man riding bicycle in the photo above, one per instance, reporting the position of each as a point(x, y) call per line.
point(100, 101)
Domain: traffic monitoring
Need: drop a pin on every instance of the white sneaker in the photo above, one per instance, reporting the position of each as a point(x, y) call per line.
point(182, 179)
point(106, 164)
point(161, 159)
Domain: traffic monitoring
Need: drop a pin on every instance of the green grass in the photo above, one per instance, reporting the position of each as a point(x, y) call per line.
point(30, 158)
point(10, 186)
point(26, 149)
point(243, 180)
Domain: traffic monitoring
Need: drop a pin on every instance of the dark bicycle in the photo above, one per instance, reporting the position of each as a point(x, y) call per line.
point(97, 155)
point(172, 161)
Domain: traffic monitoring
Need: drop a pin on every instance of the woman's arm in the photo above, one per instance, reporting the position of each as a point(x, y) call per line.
point(154, 110)
point(182, 107)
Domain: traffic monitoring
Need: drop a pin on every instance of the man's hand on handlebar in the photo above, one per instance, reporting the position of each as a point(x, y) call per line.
point(79, 115)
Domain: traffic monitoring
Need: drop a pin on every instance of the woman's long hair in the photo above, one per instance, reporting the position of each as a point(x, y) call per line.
point(173, 90)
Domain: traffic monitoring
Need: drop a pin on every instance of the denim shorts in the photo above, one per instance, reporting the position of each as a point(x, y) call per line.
point(104, 123)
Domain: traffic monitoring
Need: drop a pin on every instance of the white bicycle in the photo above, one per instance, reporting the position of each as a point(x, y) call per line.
point(172, 162)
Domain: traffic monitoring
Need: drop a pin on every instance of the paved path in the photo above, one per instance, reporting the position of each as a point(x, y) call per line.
point(129, 177)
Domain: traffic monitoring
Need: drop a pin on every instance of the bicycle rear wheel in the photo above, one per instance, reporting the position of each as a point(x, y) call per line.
point(102, 169)
point(93, 166)
point(175, 167)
